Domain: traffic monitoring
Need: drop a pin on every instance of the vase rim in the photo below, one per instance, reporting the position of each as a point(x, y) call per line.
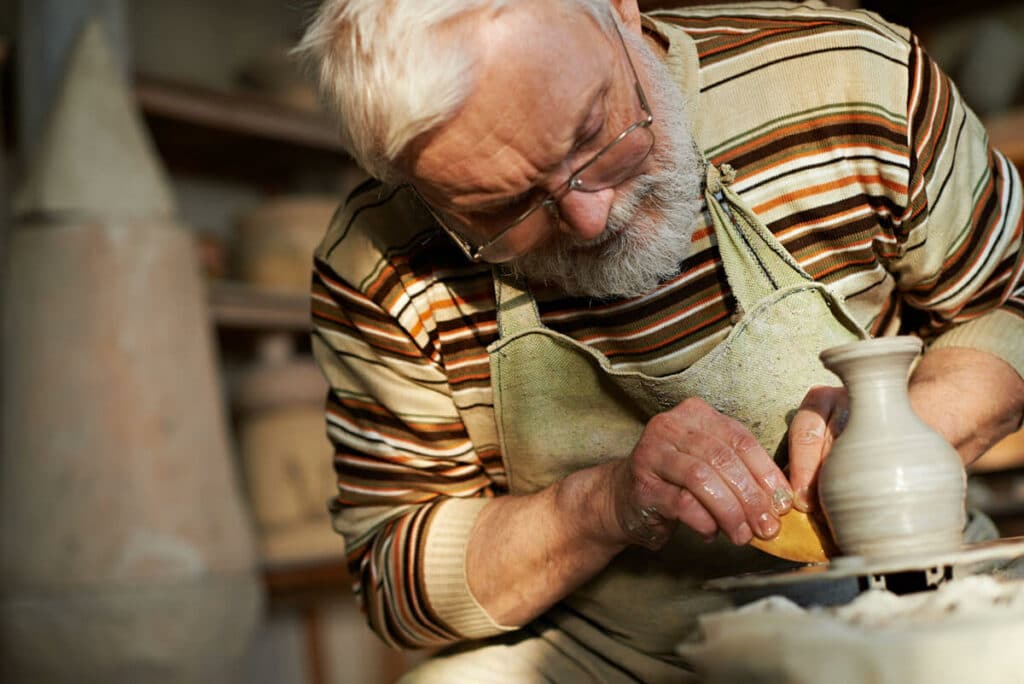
point(873, 347)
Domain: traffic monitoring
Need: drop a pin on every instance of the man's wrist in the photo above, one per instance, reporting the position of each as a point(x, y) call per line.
point(588, 496)
point(970, 397)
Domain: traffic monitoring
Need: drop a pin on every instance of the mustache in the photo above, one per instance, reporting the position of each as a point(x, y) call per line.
point(627, 204)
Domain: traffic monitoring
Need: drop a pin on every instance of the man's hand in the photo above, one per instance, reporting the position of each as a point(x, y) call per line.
point(971, 398)
point(696, 466)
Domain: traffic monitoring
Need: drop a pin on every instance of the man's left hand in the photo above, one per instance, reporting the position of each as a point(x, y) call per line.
point(970, 397)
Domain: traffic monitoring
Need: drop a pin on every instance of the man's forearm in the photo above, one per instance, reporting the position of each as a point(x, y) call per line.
point(692, 466)
point(970, 397)
point(528, 552)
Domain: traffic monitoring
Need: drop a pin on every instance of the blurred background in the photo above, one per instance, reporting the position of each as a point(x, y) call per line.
point(165, 176)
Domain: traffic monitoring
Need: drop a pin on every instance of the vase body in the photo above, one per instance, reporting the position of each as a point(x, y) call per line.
point(891, 486)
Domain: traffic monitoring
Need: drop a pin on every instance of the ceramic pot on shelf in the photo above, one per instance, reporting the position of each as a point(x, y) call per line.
point(891, 486)
point(286, 455)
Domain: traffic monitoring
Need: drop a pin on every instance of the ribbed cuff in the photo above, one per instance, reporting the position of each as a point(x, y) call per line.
point(998, 332)
point(444, 569)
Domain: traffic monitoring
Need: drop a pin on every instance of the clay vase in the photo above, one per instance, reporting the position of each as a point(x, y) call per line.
point(287, 459)
point(891, 486)
point(274, 243)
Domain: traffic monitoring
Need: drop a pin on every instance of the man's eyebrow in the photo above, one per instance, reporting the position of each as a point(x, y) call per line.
point(581, 129)
point(578, 133)
point(502, 201)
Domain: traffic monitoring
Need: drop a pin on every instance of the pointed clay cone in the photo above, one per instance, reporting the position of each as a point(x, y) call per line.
point(126, 553)
point(95, 158)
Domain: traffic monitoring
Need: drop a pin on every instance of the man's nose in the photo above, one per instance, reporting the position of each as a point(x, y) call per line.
point(585, 214)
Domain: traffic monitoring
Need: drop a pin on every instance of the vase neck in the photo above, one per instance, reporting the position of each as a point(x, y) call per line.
point(878, 381)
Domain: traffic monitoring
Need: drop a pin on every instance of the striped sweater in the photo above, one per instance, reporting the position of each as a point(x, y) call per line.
point(851, 145)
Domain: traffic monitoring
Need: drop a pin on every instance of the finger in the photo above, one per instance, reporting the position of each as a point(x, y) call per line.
point(692, 513)
point(660, 469)
point(678, 504)
point(809, 438)
point(732, 452)
point(718, 499)
point(763, 467)
point(837, 421)
point(754, 457)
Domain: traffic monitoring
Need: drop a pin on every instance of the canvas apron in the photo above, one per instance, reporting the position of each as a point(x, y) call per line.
point(561, 407)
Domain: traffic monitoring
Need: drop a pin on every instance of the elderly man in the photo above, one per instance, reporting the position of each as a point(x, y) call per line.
point(572, 328)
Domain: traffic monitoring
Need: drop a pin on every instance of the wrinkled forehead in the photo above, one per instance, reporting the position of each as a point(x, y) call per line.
point(537, 67)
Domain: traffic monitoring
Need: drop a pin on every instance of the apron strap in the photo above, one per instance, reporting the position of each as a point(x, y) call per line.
point(516, 308)
point(755, 262)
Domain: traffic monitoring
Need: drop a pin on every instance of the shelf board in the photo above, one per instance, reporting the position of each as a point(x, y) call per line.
point(312, 580)
point(236, 112)
point(242, 306)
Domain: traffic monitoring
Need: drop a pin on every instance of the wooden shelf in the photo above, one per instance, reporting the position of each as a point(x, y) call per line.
point(307, 581)
point(241, 306)
point(236, 112)
point(241, 137)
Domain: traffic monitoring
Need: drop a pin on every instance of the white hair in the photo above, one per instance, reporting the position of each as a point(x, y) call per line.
point(391, 70)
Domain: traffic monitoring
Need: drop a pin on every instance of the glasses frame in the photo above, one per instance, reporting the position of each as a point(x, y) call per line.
point(477, 254)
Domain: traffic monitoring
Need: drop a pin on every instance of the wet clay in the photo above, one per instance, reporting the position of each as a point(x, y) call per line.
point(969, 630)
point(891, 486)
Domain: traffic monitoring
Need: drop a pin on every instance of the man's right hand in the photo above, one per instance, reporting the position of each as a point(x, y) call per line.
point(692, 465)
point(696, 466)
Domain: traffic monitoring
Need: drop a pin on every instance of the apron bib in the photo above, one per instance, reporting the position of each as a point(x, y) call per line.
point(561, 406)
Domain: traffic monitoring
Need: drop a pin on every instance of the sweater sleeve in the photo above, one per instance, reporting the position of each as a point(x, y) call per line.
point(960, 260)
point(410, 483)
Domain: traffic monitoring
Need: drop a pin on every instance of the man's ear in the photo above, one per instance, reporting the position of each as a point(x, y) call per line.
point(629, 13)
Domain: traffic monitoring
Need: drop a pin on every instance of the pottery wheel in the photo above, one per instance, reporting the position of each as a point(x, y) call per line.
point(841, 579)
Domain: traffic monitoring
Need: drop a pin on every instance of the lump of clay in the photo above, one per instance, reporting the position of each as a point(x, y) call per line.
point(968, 630)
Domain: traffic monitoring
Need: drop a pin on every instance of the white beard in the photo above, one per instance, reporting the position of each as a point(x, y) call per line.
point(651, 221)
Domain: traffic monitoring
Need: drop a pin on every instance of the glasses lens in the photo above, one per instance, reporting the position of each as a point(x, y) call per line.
point(615, 165)
point(520, 238)
point(618, 162)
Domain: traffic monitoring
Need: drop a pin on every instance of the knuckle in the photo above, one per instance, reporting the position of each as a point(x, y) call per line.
point(750, 493)
point(640, 457)
point(639, 470)
point(744, 443)
point(698, 476)
point(731, 515)
point(695, 405)
point(659, 424)
point(721, 458)
point(808, 435)
point(658, 420)
point(686, 501)
point(817, 392)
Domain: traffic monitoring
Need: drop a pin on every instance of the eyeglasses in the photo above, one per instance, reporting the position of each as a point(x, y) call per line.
point(613, 164)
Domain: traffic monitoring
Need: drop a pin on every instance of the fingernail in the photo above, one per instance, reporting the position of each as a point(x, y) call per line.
point(768, 526)
point(782, 499)
point(803, 500)
point(743, 534)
